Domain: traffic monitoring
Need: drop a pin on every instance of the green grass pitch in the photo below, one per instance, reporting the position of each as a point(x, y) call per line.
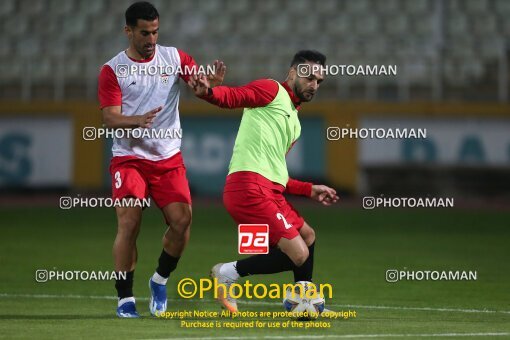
point(353, 251)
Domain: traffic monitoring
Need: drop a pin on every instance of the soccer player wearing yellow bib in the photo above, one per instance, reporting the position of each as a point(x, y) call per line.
point(258, 175)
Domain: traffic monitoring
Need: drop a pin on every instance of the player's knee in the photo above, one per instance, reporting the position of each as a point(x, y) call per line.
point(129, 225)
point(181, 223)
point(300, 257)
point(309, 236)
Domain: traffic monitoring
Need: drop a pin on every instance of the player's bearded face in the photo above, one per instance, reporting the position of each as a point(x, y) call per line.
point(305, 88)
point(145, 36)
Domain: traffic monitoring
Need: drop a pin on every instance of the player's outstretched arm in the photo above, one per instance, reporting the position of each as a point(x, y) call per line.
point(216, 79)
point(320, 193)
point(114, 119)
point(191, 67)
point(324, 194)
point(258, 93)
point(200, 85)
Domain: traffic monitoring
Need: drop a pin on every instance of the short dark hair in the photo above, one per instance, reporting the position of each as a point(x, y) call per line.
point(141, 10)
point(308, 55)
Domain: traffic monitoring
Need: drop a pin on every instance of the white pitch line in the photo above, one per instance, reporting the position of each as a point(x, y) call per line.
point(426, 309)
point(54, 296)
point(433, 309)
point(418, 335)
point(346, 336)
point(259, 303)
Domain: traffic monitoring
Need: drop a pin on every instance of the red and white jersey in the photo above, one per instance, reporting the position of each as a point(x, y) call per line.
point(140, 86)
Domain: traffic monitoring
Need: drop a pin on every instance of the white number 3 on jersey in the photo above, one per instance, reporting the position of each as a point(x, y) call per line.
point(282, 218)
point(118, 181)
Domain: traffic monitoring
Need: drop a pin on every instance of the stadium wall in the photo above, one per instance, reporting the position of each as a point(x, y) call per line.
point(337, 162)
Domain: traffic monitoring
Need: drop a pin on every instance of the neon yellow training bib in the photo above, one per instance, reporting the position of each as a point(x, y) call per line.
point(265, 136)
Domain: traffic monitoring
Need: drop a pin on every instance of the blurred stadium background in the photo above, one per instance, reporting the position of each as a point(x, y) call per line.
point(452, 58)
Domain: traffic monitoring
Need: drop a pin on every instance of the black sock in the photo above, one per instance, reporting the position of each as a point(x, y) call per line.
point(304, 273)
point(166, 264)
point(125, 286)
point(274, 262)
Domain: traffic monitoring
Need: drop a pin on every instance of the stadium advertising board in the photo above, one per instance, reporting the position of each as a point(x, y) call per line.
point(24, 156)
point(449, 142)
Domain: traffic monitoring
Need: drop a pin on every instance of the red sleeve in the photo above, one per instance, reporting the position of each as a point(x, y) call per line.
point(187, 63)
point(255, 94)
point(108, 89)
point(295, 187)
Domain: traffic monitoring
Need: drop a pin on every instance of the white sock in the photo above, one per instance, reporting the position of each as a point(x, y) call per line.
point(229, 270)
point(124, 300)
point(160, 280)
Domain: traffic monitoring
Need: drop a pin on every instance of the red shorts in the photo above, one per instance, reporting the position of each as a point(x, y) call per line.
point(252, 198)
point(165, 180)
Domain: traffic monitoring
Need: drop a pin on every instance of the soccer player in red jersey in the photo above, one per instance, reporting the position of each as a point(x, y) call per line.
point(139, 89)
point(258, 176)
